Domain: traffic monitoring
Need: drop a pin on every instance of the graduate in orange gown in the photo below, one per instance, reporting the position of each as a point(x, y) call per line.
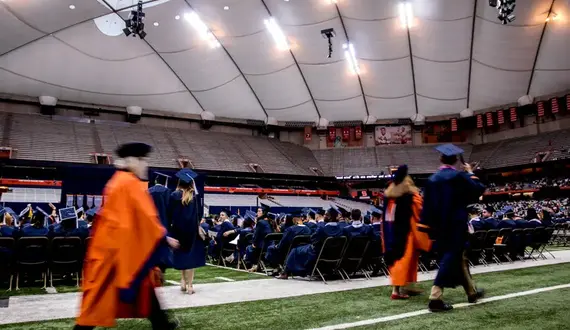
point(127, 243)
point(401, 238)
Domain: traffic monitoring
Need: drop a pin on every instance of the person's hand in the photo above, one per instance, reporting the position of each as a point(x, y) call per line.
point(172, 242)
point(467, 168)
point(52, 206)
point(227, 233)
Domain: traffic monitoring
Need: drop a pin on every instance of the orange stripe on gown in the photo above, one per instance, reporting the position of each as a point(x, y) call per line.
point(126, 233)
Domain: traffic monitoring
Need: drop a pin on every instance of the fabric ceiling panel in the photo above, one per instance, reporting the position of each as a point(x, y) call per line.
point(49, 16)
point(281, 89)
point(444, 81)
point(378, 40)
point(431, 107)
point(13, 32)
point(304, 12)
point(349, 109)
point(491, 87)
point(390, 108)
point(332, 81)
point(302, 112)
point(179, 102)
point(387, 79)
point(52, 61)
point(232, 100)
point(244, 17)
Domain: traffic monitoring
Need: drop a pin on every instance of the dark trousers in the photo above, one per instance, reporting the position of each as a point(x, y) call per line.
point(158, 318)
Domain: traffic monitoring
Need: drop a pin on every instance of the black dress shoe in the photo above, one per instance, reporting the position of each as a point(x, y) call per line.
point(283, 276)
point(474, 297)
point(438, 306)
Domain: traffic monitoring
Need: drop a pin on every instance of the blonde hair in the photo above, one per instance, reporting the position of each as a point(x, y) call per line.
point(187, 194)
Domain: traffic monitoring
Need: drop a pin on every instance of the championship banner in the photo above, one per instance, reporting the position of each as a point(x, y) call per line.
point(489, 117)
point(90, 201)
point(308, 133)
point(332, 134)
point(500, 117)
point(69, 200)
point(479, 121)
point(454, 124)
point(79, 199)
point(554, 105)
point(97, 201)
point(345, 133)
point(540, 108)
point(393, 135)
point(358, 132)
point(513, 114)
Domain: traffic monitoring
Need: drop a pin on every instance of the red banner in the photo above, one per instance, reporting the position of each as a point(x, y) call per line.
point(489, 116)
point(454, 124)
point(345, 133)
point(308, 133)
point(34, 183)
point(500, 117)
point(554, 105)
point(540, 108)
point(479, 121)
point(272, 191)
point(332, 134)
point(358, 132)
point(568, 103)
point(513, 113)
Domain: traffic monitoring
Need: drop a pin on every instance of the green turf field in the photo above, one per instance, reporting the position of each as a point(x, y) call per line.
point(208, 274)
point(544, 309)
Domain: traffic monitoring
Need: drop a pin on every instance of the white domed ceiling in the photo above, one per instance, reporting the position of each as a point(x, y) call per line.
point(449, 55)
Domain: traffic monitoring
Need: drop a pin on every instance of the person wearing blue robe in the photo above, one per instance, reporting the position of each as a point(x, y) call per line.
point(311, 221)
point(263, 228)
point(36, 227)
point(344, 217)
point(276, 251)
point(7, 222)
point(223, 225)
point(184, 215)
point(476, 222)
point(357, 227)
point(447, 194)
point(69, 228)
point(301, 260)
point(287, 222)
point(161, 196)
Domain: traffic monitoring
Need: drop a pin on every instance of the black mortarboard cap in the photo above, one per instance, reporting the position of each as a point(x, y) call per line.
point(344, 212)
point(271, 216)
point(265, 208)
point(321, 212)
point(377, 213)
point(135, 149)
point(449, 149)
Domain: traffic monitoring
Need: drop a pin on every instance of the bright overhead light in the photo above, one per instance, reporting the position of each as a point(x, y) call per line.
point(333, 1)
point(226, 7)
point(350, 57)
point(202, 29)
point(71, 7)
point(177, 17)
point(406, 14)
point(277, 33)
point(155, 24)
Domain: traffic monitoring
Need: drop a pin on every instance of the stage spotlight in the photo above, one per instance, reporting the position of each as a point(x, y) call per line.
point(134, 24)
point(127, 31)
point(506, 10)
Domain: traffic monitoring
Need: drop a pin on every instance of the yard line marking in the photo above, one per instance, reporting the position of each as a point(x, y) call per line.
point(172, 282)
point(235, 270)
point(425, 311)
point(224, 279)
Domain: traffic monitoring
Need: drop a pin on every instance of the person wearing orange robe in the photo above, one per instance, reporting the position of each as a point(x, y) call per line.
point(127, 242)
point(401, 238)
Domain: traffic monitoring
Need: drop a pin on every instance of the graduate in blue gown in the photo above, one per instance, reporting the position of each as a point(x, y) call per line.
point(161, 196)
point(357, 226)
point(8, 222)
point(184, 215)
point(474, 220)
point(264, 226)
point(320, 218)
point(311, 220)
point(276, 251)
point(376, 220)
point(344, 216)
point(447, 194)
point(301, 260)
point(36, 227)
point(224, 225)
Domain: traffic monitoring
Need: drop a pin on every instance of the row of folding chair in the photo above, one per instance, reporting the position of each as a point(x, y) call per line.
point(561, 236)
point(40, 255)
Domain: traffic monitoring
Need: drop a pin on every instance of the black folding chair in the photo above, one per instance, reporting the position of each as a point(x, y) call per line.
point(65, 257)
point(374, 258)
point(7, 252)
point(329, 257)
point(516, 244)
point(269, 238)
point(353, 256)
point(489, 245)
point(476, 246)
point(542, 239)
point(501, 248)
point(227, 249)
point(244, 241)
point(528, 239)
point(32, 256)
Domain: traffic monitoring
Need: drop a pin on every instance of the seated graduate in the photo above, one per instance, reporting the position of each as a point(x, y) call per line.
point(224, 224)
point(246, 228)
point(286, 222)
point(474, 221)
point(532, 218)
point(301, 259)
point(311, 220)
point(357, 227)
point(276, 252)
point(90, 218)
point(344, 217)
point(265, 225)
point(37, 226)
point(25, 217)
point(70, 227)
point(206, 224)
point(376, 219)
point(320, 218)
point(8, 222)
point(505, 221)
point(546, 217)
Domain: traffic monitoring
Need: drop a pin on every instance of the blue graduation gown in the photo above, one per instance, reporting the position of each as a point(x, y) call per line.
point(31, 231)
point(7, 231)
point(276, 252)
point(511, 224)
point(343, 224)
point(58, 230)
point(301, 259)
point(358, 230)
point(262, 229)
point(490, 223)
point(161, 197)
point(477, 224)
point(446, 196)
point(312, 226)
point(242, 243)
point(185, 222)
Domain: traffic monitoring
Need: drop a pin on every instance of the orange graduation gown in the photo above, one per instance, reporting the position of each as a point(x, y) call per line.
point(127, 236)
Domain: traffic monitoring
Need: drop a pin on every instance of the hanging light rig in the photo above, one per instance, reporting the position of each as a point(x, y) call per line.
point(135, 25)
point(329, 34)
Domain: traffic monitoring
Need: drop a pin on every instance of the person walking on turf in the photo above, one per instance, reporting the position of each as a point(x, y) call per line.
point(402, 239)
point(447, 194)
point(127, 244)
point(184, 215)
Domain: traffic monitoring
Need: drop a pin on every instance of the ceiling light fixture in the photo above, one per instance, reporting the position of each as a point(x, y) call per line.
point(71, 7)
point(350, 56)
point(202, 29)
point(406, 14)
point(277, 34)
point(177, 17)
point(156, 24)
point(226, 7)
point(506, 10)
